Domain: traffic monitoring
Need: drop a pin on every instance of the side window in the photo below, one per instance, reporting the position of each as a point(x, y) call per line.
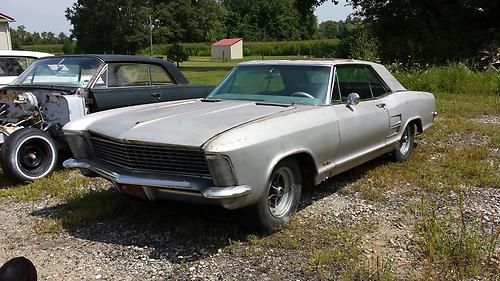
point(377, 87)
point(336, 89)
point(353, 79)
point(358, 79)
point(128, 74)
point(11, 66)
point(159, 76)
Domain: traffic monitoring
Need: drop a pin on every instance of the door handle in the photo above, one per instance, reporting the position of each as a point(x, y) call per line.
point(155, 95)
point(381, 105)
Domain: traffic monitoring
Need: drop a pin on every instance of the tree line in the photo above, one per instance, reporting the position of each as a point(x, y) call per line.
point(124, 26)
point(20, 36)
point(431, 31)
point(424, 31)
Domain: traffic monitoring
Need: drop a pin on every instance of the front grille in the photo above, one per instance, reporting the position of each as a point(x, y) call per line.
point(150, 158)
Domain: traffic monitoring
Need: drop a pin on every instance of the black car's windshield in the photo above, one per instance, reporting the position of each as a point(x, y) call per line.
point(65, 71)
point(290, 84)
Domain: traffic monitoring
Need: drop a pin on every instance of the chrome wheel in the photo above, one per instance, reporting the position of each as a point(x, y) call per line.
point(280, 195)
point(405, 143)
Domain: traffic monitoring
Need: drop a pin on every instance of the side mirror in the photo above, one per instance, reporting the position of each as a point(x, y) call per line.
point(352, 99)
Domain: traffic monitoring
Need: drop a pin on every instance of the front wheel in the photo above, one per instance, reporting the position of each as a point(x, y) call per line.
point(280, 199)
point(28, 154)
point(405, 145)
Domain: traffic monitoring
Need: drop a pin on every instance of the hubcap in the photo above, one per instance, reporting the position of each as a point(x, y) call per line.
point(404, 143)
point(280, 195)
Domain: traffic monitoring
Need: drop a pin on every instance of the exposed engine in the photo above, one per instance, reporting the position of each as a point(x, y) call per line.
point(46, 110)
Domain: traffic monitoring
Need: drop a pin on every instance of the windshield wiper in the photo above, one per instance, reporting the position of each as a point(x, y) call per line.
point(274, 104)
point(210, 100)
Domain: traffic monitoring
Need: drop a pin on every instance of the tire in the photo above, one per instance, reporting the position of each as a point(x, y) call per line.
point(28, 154)
point(280, 198)
point(405, 145)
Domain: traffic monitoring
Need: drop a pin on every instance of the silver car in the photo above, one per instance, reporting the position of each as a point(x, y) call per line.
point(269, 128)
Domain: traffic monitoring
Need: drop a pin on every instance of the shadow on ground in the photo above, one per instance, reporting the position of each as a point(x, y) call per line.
point(170, 229)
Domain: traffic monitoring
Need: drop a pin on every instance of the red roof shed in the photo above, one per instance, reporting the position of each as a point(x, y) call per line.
point(230, 48)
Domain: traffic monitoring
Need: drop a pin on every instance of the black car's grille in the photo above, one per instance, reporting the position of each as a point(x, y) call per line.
point(151, 158)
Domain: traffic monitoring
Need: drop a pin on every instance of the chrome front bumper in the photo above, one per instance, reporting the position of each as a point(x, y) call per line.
point(162, 186)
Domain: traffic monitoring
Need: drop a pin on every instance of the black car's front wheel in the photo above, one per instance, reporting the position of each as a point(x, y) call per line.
point(28, 154)
point(281, 197)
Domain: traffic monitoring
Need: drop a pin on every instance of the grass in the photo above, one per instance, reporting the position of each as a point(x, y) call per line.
point(204, 70)
point(59, 185)
point(451, 247)
point(332, 253)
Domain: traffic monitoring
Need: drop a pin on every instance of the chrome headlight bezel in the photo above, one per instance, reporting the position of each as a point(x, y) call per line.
point(222, 170)
point(79, 144)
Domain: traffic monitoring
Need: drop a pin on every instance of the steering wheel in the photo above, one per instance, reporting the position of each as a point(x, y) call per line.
point(302, 94)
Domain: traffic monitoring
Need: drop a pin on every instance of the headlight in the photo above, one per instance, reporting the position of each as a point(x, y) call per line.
point(78, 144)
point(221, 170)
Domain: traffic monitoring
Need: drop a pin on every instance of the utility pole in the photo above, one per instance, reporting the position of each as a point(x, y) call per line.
point(151, 36)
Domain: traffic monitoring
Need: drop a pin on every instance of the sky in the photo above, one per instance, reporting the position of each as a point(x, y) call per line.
point(49, 15)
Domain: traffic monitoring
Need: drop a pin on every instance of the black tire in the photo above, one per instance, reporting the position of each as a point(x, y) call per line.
point(280, 199)
point(403, 149)
point(28, 154)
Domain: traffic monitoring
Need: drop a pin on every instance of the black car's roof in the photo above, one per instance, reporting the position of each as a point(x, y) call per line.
point(116, 58)
point(176, 74)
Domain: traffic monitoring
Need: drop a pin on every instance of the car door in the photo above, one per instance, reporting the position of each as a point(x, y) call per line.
point(124, 84)
point(363, 127)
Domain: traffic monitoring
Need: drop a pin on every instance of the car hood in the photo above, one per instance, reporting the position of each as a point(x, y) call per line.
point(190, 123)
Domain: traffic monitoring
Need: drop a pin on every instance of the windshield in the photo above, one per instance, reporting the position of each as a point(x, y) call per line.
point(69, 71)
point(289, 84)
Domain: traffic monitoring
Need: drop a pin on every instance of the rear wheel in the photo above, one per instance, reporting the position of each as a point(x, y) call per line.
point(28, 154)
point(280, 199)
point(405, 145)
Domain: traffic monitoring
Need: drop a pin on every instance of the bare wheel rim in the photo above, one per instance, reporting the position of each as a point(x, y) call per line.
point(34, 157)
point(404, 143)
point(280, 195)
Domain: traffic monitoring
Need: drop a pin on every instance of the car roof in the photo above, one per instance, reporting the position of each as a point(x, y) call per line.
point(118, 58)
point(15, 53)
point(329, 62)
point(173, 71)
point(388, 78)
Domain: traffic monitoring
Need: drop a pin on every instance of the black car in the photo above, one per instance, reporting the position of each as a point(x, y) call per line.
point(59, 89)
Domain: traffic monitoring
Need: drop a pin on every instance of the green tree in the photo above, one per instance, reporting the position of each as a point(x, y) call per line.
point(176, 53)
point(329, 29)
point(68, 46)
point(266, 20)
point(119, 26)
point(427, 30)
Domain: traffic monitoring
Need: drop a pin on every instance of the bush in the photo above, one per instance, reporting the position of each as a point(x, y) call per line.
point(361, 44)
point(176, 53)
point(453, 78)
point(50, 48)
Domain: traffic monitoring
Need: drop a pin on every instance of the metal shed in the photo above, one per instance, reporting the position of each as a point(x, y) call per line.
point(228, 49)
point(5, 41)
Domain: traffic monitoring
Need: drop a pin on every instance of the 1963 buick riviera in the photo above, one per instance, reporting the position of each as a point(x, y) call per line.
point(269, 128)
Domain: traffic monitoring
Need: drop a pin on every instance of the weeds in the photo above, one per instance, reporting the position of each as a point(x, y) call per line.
point(452, 247)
